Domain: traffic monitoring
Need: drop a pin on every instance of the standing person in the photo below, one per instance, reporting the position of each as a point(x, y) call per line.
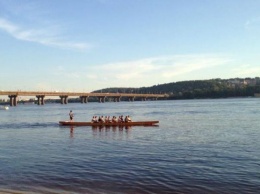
point(71, 115)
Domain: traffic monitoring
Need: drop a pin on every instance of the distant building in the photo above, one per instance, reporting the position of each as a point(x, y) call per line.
point(241, 82)
point(234, 81)
point(250, 82)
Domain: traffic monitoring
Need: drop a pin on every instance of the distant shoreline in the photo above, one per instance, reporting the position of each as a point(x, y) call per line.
point(55, 101)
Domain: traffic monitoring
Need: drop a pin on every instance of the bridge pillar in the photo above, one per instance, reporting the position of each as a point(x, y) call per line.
point(84, 99)
point(13, 100)
point(131, 98)
point(117, 99)
point(144, 99)
point(101, 99)
point(64, 99)
point(81, 99)
point(40, 99)
point(61, 99)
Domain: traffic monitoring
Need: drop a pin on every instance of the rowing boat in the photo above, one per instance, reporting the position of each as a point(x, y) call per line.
point(135, 123)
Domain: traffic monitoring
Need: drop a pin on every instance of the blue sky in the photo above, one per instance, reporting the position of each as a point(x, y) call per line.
point(83, 45)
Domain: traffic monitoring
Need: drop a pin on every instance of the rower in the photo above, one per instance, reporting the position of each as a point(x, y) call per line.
point(102, 119)
point(94, 119)
point(114, 119)
point(121, 119)
point(129, 119)
point(108, 119)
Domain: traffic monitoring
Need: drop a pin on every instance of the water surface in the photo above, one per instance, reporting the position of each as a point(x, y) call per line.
point(200, 146)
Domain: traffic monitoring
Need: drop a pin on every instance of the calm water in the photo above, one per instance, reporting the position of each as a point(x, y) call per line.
point(200, 146)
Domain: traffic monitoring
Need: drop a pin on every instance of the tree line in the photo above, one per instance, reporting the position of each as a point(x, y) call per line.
point(197, 89)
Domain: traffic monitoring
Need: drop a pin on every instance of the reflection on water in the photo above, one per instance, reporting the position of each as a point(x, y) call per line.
point(71, 131)
point(111, 131)
point(101, 127)
point(105, 131)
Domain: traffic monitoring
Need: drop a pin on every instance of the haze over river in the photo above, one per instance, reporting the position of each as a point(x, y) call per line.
point(200, 146)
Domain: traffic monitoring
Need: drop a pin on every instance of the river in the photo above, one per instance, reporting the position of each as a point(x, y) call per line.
point(200, 146)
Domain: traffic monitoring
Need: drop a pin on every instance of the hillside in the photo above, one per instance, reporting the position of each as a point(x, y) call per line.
point(213, 88)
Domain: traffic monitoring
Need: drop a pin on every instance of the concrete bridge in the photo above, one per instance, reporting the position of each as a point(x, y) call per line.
point(82, 95)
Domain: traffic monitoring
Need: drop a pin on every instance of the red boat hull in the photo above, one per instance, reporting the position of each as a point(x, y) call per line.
point(136, 123)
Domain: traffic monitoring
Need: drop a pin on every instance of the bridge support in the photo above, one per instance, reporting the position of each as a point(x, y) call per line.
point(13, 100)
point(132, 99)
point(84, 99)
point(64, 99)
point(40, 99)
point(101, 99)
point(117, 99)
point(144, 99)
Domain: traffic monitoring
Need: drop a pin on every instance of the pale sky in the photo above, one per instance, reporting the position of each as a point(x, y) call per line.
point(84, 45)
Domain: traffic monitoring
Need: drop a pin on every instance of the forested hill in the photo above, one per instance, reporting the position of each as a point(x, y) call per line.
point(214, 88)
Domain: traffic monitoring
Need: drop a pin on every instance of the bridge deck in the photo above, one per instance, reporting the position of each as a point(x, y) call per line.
point(38, 93)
